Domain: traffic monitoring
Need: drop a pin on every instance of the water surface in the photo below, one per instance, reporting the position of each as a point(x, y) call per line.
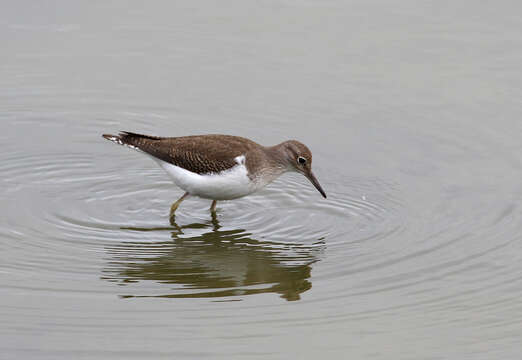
point(412, 111)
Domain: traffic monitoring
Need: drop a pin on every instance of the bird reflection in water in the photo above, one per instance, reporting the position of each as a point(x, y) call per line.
point(212, 264)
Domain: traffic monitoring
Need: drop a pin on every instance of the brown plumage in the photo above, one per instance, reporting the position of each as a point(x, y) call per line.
point(201, 154)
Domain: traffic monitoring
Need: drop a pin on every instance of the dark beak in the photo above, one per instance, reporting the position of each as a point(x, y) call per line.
point(314, 181)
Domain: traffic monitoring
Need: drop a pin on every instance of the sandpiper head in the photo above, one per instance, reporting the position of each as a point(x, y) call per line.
point(299, 158)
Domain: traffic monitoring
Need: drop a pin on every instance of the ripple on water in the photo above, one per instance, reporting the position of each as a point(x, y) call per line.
point(267, 242)
point(264, 243)
point(78, 217)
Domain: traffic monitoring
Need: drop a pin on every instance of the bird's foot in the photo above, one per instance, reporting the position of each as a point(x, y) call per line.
point(174, 207)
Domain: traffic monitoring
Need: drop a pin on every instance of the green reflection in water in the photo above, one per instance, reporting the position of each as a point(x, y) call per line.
point(216, 263)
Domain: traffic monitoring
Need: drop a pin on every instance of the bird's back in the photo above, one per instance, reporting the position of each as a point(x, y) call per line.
point(200, 154)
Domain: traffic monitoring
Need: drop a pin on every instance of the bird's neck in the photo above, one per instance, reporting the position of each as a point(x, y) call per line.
point(278, 157)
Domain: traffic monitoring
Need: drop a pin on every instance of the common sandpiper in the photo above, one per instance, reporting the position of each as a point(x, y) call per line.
point(220, 167)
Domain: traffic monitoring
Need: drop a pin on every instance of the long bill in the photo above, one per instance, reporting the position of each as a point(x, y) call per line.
point(314, 181)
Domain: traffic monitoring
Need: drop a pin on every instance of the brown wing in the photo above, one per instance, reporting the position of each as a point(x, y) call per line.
point(201, 154)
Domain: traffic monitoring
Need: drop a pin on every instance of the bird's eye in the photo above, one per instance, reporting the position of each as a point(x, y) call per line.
point(301, 160)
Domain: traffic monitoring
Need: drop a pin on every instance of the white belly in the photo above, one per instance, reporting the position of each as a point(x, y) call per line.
point(230, 184)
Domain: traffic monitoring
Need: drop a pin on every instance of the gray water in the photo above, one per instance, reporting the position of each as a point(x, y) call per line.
point(412, 111)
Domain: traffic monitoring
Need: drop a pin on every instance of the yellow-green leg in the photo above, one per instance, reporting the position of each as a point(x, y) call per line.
point(175, 206)
point(213, 206)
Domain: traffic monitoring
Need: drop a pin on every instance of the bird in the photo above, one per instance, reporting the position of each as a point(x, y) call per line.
point(220, 167)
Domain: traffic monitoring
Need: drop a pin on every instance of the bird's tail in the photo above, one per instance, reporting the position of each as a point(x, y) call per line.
point(130, 139)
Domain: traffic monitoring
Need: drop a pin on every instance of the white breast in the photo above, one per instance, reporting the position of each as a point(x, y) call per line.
point(226, 185)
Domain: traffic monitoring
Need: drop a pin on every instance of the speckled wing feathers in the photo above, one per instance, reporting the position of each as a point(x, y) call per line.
point(201, 154)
